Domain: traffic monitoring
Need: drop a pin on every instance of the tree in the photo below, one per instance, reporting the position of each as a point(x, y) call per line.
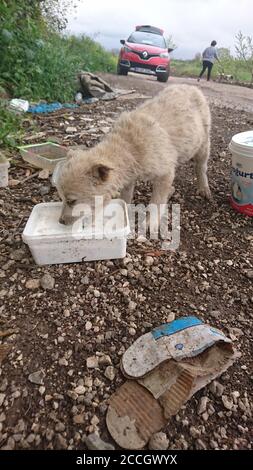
point(170, 43)
point(244, 51)
point(198, 56)
point(56, 11)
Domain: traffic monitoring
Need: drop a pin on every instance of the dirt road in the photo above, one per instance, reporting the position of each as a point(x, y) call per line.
point(219, 94)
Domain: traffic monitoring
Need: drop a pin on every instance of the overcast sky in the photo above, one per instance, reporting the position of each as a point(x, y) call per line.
point(193, 24)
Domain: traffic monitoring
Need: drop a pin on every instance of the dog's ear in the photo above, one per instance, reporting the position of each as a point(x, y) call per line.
point(100, 172)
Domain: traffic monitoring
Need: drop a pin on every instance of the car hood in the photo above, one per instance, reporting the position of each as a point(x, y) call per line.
point(145, 47)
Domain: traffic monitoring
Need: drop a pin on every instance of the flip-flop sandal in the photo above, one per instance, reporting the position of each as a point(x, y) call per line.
point(169, 365)
point(139, 409)
point(185, 337)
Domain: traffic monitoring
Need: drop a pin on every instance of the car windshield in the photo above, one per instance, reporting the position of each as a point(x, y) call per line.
point(141, 37)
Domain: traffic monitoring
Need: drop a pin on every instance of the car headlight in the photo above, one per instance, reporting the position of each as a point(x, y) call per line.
point(164, 55)
point(127, 49)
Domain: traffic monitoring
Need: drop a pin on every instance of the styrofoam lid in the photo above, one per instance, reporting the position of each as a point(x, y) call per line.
point(242, 143)
point(43, 223)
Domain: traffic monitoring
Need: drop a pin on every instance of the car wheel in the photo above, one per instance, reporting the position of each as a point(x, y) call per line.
point(122, 70)
point(163, 77)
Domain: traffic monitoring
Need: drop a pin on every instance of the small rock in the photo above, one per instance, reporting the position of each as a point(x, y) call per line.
point(47, 282)
point(216, 388)
point(149, 261)
point(61, 442)
point(105, 360)
point(202, 405)
point(78, 419)
point(63, 362)
point(60, 427)
point(37, 377)
point(44, 174)
point(80, 390)
point(110, 372)
point(194, 432)
point(249, 273)
point(92, 362)
point(71, 130)
point(2, 398)
point(132, 331)
point(10, 445)
point(170, 317)
point(158, 441)
point(94, 442)
point(32, 284)
point(228, 403)
point(200, 445)
point(235, 396)
point(43, 190)
point(88, 325)
point(132, 305)
point(42, 389)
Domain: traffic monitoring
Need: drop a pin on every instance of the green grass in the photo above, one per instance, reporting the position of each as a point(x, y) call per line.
point(192, 68)
point(40, 63)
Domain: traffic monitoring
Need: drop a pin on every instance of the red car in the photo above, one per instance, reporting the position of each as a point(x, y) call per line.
point(145, 51)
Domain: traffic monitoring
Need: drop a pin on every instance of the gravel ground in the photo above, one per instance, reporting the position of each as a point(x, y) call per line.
point(72, 323)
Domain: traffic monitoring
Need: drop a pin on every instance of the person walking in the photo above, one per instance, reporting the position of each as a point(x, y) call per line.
point(209, 56)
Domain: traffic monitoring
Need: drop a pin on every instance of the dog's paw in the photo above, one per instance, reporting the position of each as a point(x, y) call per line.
point(205, 192)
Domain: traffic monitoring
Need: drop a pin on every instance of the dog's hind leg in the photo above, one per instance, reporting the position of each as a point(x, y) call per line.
point(201, 159)
point(127, 193)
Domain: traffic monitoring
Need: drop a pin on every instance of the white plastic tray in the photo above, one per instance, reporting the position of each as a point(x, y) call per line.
point(53, 243)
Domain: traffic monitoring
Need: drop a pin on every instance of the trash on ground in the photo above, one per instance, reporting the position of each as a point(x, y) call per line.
point(91, 88)
point(4, 174)
point(49, 107)
point(53, 243)
point(169, 365)
point(241, 198)
point(19, 105)
point(45, 155)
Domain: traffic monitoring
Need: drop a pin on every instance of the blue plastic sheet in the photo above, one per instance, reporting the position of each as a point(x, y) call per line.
point(49, 108)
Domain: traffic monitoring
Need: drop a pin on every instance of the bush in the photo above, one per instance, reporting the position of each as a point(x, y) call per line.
point(38, 62)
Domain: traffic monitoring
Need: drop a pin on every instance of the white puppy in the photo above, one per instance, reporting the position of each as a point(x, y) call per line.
point(146, 144)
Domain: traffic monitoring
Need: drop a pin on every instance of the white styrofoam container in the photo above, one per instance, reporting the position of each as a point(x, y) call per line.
point(53, 243)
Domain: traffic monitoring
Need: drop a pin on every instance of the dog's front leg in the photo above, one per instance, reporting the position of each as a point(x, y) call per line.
point(162, 190)
point(127, 193)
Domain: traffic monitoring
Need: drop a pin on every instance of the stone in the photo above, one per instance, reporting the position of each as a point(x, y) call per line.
point(110, 373)
point(43, 190)
point(227, 402)
point(92, 362)
point(80, 390)
point(158, 441)
point(94, 442)
point(37, 377)
point(47, 282)
point(202, 405)
point(32, 284)
point(2, 398)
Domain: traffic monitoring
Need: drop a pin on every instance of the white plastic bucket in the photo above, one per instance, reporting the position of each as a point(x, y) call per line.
point(241, 197)
point(4, 176)
point(53, 243)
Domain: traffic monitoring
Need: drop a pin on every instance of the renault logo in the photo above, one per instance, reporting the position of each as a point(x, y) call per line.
point(145, 54)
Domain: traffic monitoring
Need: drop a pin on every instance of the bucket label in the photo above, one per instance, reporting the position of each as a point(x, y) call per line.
point(242, 189)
